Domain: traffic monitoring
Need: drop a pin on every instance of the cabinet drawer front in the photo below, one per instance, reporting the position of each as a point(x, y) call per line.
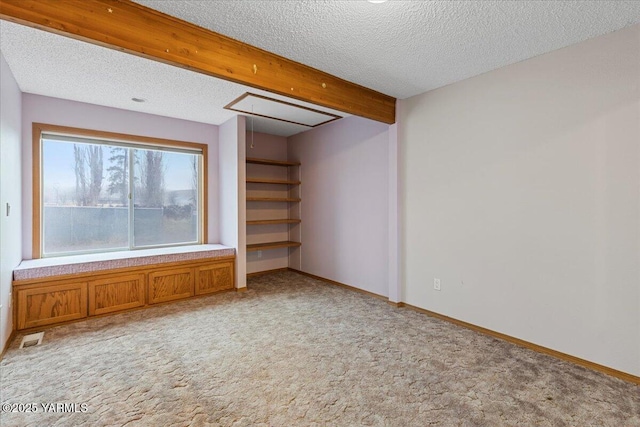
point(170, 284)
point(116, 293)
point(51, 304)
point(214, 278)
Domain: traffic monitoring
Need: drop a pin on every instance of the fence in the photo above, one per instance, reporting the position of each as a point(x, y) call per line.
point(85, 228)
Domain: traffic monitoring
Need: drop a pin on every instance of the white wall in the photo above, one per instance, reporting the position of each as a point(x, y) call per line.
point(10, 226)
point(522, 194)
point(42, 109)
point(272, 147)
point(231, 181)
point(345, 194)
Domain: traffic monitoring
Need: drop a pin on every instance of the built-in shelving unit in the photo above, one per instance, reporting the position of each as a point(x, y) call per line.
point(272, 181)
point(272, 245)
point(274, 221)
point(276, 188)
point(273, 199)
point(268, 162)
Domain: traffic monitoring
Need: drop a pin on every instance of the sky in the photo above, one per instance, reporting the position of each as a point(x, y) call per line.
point(59, 175)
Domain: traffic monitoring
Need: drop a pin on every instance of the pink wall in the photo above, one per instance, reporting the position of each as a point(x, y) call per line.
point(522, 195)
point(395, 213)
point(10, 223)
point(231, 182)
point(266, 146)
point(345, 202)
point(41, 109)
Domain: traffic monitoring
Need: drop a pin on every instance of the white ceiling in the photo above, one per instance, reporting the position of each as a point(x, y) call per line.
point(400, 48)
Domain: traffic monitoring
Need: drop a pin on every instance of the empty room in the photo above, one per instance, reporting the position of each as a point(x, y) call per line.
point(319, 213)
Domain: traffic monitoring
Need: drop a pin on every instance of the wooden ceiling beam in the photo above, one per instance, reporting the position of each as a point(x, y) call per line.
point(136, 29)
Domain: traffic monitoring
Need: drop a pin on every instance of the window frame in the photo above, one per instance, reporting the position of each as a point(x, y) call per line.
point(158, 143)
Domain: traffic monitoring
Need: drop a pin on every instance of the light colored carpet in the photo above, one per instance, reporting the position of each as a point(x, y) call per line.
point(293, 351)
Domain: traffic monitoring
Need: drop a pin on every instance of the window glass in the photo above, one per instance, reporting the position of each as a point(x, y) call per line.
point(165, 198)
point(83, 208)
point(95, 198)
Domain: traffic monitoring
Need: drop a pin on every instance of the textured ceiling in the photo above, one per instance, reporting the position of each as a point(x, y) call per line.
point(52, 65)
point(401, 48)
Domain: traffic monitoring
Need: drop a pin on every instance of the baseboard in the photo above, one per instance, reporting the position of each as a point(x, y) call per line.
point(517, 341)
point(260, 273)
point(531, 346)
point(244, 289)
point(8, 343)
point(333, 282)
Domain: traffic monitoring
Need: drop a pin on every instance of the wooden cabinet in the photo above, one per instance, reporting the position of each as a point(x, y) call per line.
point(58, 299)
point(39, 306)
point(168, 285)
point(116, 293)
point(213, 278)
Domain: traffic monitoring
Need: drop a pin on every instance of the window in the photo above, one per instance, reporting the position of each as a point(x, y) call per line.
point(99, 192)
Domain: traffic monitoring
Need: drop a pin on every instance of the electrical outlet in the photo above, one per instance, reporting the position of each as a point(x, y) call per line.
point(436, 284)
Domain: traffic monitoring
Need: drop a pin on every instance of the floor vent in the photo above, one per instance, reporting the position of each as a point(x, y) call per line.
point(32, 340)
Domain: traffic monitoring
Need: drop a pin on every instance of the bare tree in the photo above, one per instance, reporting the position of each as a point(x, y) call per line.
point(151, 166)
point(96, 166)
point(88, 161)
point(194, 180)
point(81, 178)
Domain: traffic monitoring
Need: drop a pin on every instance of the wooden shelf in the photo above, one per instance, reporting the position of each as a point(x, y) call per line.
point(285, 197)
point(274, 221)
point(271, 181)
point(273, 199)
point(272, 245)
point(271, 162)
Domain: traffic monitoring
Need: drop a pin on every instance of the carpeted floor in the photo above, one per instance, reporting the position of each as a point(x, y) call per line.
point(293, 351)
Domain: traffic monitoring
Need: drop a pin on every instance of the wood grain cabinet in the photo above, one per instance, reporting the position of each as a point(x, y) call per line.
point(45, 305)
point(168, 285)
point(214, 278)
point(116, 293)
point(57, 299)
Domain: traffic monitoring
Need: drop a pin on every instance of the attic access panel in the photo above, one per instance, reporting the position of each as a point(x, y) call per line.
point(263, 106)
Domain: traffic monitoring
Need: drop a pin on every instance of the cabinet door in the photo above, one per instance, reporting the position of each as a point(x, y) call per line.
point(168, 285)
point(51, 304)
point(116, 293)
point(214, 277)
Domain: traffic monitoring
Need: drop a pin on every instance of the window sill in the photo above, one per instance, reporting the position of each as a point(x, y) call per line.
point(46, 267)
